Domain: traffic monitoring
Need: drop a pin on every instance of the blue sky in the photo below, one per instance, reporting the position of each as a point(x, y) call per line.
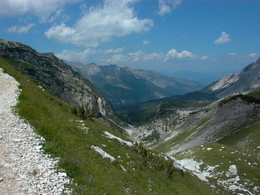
point(162, 35)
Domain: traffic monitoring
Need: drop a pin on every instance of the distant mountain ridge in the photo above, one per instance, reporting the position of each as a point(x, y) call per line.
point(124, 86)
point(184, 122)
point(246, 80)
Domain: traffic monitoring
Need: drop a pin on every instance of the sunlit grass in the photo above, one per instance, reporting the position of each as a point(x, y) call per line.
point(71, 144)
point(212, 154)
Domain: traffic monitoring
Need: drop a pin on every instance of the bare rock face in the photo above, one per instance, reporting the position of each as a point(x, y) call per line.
point(56, 76)
point(246, 80)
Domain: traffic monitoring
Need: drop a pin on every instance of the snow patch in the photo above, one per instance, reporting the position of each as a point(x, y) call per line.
point(193, 166)
point(123, 142)
point(231, 171)
point(233, 184)
point(102, 110)
point(103, 153)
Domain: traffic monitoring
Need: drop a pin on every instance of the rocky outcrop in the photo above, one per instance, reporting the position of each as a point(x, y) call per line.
point(246, 80)
point(55, 76)
point(124, 86)
point(187, 127)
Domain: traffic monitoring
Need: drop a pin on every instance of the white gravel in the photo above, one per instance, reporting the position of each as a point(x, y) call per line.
point(24, 169)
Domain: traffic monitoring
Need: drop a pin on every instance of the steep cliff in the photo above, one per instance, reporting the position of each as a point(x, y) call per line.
point(55, 76)
point(246, 80)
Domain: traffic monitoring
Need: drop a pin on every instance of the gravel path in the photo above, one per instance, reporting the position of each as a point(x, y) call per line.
point(24, 169)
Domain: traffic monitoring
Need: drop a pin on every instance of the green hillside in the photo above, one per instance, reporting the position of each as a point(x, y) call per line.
point(71, 139)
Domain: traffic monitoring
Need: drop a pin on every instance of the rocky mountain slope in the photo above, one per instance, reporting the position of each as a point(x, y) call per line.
point(56, 76)
point(185, 128)
point(123, 86)
point(246, 80)
point(183, 124)
point(100, 160)
point(96, 158)
point(218, 142)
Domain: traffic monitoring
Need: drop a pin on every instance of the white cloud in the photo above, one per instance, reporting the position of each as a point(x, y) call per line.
point(224, 38)
point(44, 9)
point(154, 56)
point(100, 23)
point(146, 42)
point(114, 56)
point(73, 56)
point(167, 6)
point(232, 54)
point(118, 50)
point(160, 57)
point(252, 55)
point(137, 56)
point(204, 58)
point(173, 54)
point(20, 29)
point(118, 58)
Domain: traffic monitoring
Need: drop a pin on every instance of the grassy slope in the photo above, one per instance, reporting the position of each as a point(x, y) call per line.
point(92, 174)
point(247, 138)
point(212, 154)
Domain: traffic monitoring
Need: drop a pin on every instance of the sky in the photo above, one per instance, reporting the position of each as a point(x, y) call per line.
point(206, 36)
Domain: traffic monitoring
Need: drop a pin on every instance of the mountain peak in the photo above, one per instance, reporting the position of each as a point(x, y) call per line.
point(245, 80)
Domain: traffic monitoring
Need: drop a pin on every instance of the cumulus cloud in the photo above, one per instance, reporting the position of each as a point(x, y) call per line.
point(117, 58)
point(173, 54)
point(114, 56)
point(100, 23)
point(44, 9)
point(224, 38)
point(135, 57)
point(20, 29)
point(167, 6)
point(232, 54)
point(252, 55)
point(118, 50)
point(204, 57)
point(86, 55)
point(160, 57)
point(146, 42)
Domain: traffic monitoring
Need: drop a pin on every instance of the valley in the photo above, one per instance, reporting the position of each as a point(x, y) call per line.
point(124, 86)
point(179, 140)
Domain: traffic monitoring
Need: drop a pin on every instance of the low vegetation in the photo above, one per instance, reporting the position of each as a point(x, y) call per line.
point(70, 139)
point(247, 98)
point(215, 160)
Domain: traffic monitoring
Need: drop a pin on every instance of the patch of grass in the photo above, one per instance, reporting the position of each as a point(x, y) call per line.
point(255, 94)
point(246, 140)
point(71, 144)
point(212, 154)
point(247, 98)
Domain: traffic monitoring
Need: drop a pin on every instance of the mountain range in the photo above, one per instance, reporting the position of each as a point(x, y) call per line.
point(225, 107)
point(56, 76)
point(201, 142)
point(124, 86)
